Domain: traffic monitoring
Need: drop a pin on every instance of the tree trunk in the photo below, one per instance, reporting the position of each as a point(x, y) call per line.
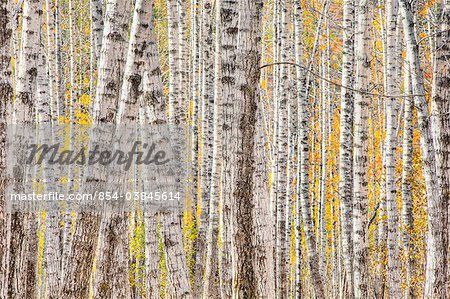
point(22, 282)
point(206, 146)
point(437, 280)
point(298, 31)
point(346, 143)
point(391, 150)
point(97, 26)
point(211, 279)
point(173, 24)
point(50, 18)
point(281, 182)
point(238, 149)
point(407, 177)
point(6, 92)
point(360, 157)
point(152, 100)
point(229, 11)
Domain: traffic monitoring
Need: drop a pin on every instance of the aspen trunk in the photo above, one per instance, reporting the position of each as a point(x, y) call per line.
point(282, 158)
point(206, 147)
point(50, 11)
point(229, 11)
point(6, 92)
point(153, 102)
point(346, 144)
point(407, 177)
point(22, 264)
point(183, 61)
point(97, 26)
point(195, 101)
point(437, 278)
point(360, 157)
point(211, 277)
point(97, 23)
point(173, 24)
point(390, 150)
point(238, 149)
point(298, 31)
point(59, 101)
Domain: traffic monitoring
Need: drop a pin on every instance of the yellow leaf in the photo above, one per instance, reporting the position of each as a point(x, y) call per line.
point(264, 84)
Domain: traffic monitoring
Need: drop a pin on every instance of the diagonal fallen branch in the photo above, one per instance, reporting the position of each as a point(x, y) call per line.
point(340, 85)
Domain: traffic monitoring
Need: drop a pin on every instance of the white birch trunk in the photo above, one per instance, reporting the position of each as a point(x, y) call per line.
point(393, 273)
point(50, 11)
point(111, 64)
point(195, 101)
point(206, 147)
point(183, 61)
point(346, 144)
point(298, 31)
point(303, 168)
point(228, 42)
point(360, 157)
point(238, 149)
point(173, 24)
point(407, 177)
point(437, 263)
point(153, 102)
point(6, 92)
point(22, 264)
point(282, 158)
point(323, 164)
point(42, 87)
point(59, 101)
point(97, 26)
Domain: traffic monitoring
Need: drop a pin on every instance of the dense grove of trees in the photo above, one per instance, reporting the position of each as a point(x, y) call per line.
point(318, 138)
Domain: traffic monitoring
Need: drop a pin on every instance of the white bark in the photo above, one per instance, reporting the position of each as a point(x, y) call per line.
point(346, 143)
point(206, 146)
point(6, 91)
point(22, 263)
point(153, 102)
point(173, 23)
point(111, 64)
point(27, 68)
point(437, 262)
point(360, 157)
point(390, 150)
point(281, 182)
point(42, 86)
point(298, 31)
point(228, 42)
point(50, 11)
point(238, 149)
point(59, 101)
point(97, 26)
point(407, 177)
point(138, 49)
